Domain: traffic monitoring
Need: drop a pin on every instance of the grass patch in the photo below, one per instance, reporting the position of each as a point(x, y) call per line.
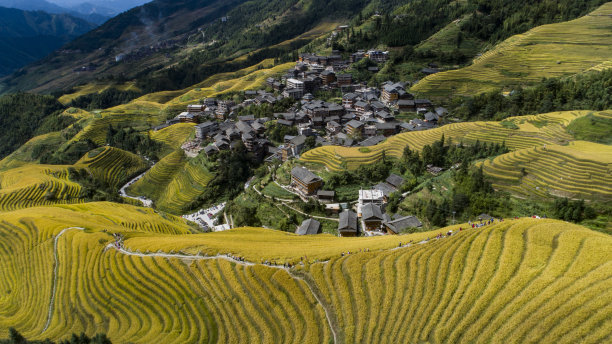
point(276, 191)
point(592, 128)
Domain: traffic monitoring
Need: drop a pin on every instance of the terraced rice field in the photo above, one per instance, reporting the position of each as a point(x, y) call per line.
point(112, 165)
point(546, 51)
point(24, 154)
point(580, 170)
point(140, 115)
point(35, 185)
point(173, 182)
point(175, 135)
point(250, 78)
point(549, 130)
point(515, 281)
point(95, 88)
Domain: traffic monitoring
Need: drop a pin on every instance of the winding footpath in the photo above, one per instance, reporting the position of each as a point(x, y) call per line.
point(56, 264)
point(145, 201)
point(236, 261)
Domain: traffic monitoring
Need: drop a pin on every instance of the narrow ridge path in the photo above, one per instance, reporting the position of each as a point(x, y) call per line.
point(55, 267)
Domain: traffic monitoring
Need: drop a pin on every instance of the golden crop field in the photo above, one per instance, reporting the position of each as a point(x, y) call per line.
point(31, 185)
point(251, 78)
point(579, 170)
point(533, 131)
point(546, 51)
point(173, 182)
point(95, 88)
point(522, 280)
point(112, 165)
point(175, 135)
point(515, 282)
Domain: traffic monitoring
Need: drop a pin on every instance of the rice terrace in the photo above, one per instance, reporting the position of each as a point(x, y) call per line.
point(306, 171)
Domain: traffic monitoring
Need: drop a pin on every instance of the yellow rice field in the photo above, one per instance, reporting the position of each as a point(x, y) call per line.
point(546, 51)
point(579, 170)
point(515, 281)
point(549, 130)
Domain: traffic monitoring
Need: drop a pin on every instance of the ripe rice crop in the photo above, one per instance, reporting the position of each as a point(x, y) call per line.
point(546, 51)
point(579, 170)
point(549, 130)
point(525, 280)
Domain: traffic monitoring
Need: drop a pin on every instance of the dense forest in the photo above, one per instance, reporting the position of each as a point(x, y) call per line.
point(105, 99)
point(23, 115)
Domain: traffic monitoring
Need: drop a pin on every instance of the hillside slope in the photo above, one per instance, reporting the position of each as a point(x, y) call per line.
point(515, 281)
point(546, 51)
point(579, 170)
point(530, 131)
point(26, 36)
point(175, 44)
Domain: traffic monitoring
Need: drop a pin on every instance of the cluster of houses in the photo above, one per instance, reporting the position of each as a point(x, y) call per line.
point(365, 117)
point(370, 217)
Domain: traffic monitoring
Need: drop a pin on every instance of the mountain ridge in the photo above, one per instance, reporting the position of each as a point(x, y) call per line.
point(27, 36)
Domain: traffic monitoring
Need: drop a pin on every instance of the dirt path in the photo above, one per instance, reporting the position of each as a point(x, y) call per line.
point(55, 267)
point(145, 201)
point(236, 261)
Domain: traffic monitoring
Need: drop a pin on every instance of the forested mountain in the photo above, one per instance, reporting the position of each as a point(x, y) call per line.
point(172, 44)
point(87, 13)
point(26, 36)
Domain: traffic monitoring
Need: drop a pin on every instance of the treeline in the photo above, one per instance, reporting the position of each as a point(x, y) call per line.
point(446, 155)
point(496, 20)
point(22, 116)
point(133, 141)
point(574, 211)
point(591, 91)
point(105, 99)
point(407, 24)
point(93, 189)
point(471, 195)
point(234, 168)
point(17, 338)
point(266, 110)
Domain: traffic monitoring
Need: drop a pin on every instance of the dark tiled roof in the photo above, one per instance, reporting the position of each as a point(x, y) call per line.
point(386, 189)
point(310, 226)
point(325, 193)
point(354, 124)
point(371, 212)
point(304, 175)
point(348, 221)
point(395, 180)
point(403, 223)
point(372, 141)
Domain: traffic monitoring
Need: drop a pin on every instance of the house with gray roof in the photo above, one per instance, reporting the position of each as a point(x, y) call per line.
point(305, 181)
point(402, 224)
point(395, 181)
point(309, 227)
point(353, 127)
point(386, 189)
point(371, 217)
point(348, 225)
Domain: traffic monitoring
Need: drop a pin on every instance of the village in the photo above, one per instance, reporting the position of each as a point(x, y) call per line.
point(360, 116)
